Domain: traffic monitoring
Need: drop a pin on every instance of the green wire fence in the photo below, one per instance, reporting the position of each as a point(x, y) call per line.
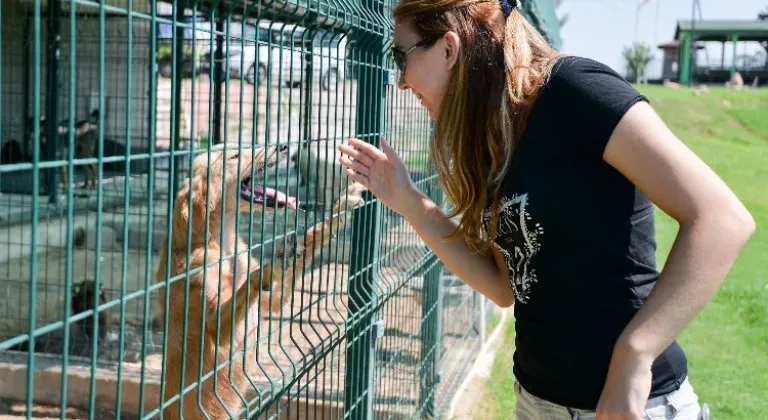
point(108, 108)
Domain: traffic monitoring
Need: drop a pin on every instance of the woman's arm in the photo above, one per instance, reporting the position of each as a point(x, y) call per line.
point(384, 174)
point(714, 227)
point(488, 274)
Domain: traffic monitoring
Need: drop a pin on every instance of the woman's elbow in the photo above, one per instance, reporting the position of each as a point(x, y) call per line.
point(504, 303)
point(740, 223)
point(504, 298)
point(749, 225)
point(733, 223)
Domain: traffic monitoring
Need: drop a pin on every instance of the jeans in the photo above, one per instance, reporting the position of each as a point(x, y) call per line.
point(682, 404)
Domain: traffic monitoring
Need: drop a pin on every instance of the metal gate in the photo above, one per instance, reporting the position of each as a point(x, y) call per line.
point(107, 105)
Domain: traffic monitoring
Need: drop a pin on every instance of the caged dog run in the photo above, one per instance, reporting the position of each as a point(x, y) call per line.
point(237, 288)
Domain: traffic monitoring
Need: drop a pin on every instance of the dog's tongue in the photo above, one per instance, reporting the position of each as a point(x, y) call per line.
point(274, 195)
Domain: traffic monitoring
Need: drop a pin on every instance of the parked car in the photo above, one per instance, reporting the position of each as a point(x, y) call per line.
point(245, 53)
point(329, 53)
point(277, 51)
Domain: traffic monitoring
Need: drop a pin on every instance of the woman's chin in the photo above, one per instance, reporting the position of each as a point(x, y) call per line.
point(430, 110)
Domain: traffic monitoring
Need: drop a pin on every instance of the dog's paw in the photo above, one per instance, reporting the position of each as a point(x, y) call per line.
point(261, 279)
point(351, 198)
point(355, 189)
point(350, 203)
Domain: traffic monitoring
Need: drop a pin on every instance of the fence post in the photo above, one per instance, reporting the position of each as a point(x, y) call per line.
point(52, 102)
point(431, 326)
point(359, 392)
point(217, 73)
point(308, 56)
point(176, 159)
point(483, 317)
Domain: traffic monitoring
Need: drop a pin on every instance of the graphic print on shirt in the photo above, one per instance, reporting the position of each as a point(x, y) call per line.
point(517, 238)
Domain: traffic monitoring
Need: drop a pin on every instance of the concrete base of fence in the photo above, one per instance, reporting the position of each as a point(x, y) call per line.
point(47, 391)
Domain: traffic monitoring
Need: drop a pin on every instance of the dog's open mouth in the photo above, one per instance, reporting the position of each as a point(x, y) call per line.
point(267, 197)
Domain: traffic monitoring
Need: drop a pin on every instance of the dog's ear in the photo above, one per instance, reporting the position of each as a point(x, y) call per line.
point(204, 196)
point(204, 200)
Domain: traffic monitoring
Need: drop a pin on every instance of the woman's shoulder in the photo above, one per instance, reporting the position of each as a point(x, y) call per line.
point(583, 85)
point(575, 61)
point(579, 74)
point(588, 96)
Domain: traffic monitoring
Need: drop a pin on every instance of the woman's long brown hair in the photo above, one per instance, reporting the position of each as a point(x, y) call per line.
point(503, 61)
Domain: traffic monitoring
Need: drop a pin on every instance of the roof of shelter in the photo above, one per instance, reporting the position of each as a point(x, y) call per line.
point(675, 44)
point(722, 30)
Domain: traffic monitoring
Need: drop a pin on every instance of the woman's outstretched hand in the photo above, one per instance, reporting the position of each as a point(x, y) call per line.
point(382, 172)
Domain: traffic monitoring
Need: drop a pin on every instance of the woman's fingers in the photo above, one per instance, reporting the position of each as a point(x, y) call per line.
point(356, 154)
point(368, 149)
point(357, 177)
point(388, 150)
point(354, 165)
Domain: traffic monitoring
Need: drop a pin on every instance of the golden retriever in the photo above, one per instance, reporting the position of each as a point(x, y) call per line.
point(222, 288)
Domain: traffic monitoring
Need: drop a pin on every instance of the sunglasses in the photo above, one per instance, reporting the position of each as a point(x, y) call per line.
point(400, 56)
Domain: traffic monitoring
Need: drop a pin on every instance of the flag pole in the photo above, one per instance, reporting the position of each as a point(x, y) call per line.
point(656, 24)
point(693, 52)
point(637, 18)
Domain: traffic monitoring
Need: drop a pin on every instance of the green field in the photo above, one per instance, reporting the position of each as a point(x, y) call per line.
point(727, 344)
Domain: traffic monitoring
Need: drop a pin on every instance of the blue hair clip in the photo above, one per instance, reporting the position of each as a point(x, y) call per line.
point(507, 6)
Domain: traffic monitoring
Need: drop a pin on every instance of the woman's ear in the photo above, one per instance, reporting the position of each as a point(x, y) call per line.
point(452, 48)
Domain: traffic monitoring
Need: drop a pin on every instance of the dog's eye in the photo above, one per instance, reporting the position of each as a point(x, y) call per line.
point(235, 156)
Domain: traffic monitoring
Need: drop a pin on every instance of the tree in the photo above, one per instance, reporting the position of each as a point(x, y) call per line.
point(637, 58)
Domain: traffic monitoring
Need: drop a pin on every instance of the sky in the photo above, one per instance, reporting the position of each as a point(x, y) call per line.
point(599, 29)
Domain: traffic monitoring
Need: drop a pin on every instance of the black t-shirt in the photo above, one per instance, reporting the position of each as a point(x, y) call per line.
point(579, 240)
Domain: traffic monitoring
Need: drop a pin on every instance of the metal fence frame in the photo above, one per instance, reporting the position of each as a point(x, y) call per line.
point(400, 358)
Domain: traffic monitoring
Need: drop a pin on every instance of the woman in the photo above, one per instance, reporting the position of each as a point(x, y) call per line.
point(554, 164)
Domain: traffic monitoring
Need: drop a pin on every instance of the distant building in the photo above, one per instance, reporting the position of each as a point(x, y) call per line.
point(735, 32)
point(670, 57)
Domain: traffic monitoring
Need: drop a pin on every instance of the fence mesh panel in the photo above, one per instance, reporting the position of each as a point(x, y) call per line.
point(153, 261)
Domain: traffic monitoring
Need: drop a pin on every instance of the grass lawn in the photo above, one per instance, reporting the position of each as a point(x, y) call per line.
point(727, 344)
